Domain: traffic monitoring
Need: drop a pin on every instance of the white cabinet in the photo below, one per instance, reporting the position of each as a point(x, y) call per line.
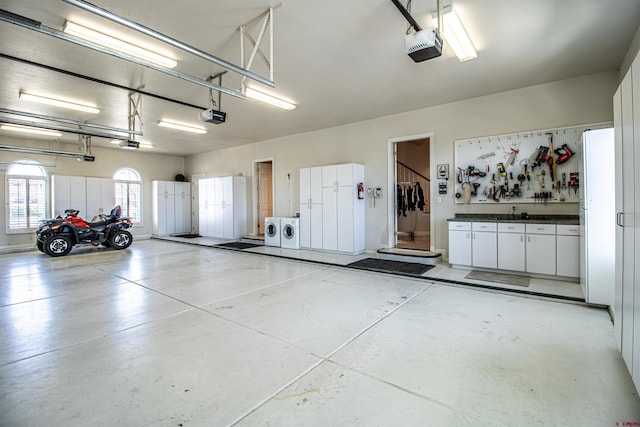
point(342, 211)
point(311, 207)
point(223, 207)
point(568, 250)
point(91, 196)
point(541, 248)
point(459, 243)
point(511, 246)
point(68, 192)
point(484, 245)
point(171, 208)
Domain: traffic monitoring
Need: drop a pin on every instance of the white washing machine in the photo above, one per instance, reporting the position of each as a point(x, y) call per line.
point(272, 231)
point(290, 233)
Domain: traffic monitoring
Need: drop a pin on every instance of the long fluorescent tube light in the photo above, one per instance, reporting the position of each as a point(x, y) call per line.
point(58, 102)
point(455, 35)
point(269, 99)
point(117, 44)
point(25, 129)
point(179, 126)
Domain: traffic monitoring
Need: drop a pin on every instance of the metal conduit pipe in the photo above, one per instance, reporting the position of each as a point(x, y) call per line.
point(166, 39)
point(62, 128)
point(46, 152)
point(30, 24)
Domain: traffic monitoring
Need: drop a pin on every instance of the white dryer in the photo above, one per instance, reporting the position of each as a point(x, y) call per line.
point(290, 233)
point(272, 231)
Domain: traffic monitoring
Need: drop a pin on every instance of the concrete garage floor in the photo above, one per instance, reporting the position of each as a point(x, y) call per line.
point(167, 334)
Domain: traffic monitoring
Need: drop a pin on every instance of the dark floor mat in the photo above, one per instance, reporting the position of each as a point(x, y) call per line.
point(237, 245)
point(506, 279)
point(187, 236)
point(389, 266)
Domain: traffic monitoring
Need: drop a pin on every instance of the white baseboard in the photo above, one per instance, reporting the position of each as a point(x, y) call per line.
point(17, 248)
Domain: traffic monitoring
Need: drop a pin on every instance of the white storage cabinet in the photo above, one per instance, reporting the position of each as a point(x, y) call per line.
point(223, 207)
point(568, 250)
point(460, 243)
point(342, 211)
point(511, 246)
point(484, 245)
point(311, 207)
point(541, 248)
point(171, 208)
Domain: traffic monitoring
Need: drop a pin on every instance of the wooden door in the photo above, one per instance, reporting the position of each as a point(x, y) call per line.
point(265, 193)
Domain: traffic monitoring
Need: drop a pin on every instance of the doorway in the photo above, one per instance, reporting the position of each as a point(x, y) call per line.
point(263, 193)
point(412, 224)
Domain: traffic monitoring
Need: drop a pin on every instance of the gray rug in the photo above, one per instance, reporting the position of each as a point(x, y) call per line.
point(506, 279)
point(389, 266)
point(237, 245)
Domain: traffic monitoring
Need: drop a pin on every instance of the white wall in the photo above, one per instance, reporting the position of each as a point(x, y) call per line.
point(108, 161)
point(560, 104)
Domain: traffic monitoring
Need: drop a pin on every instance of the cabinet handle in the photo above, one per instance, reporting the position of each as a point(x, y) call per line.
point(528, 238)
point(619, 219)
point(522, 238)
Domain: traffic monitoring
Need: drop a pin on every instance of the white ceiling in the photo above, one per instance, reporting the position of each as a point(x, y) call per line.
point(340, 61)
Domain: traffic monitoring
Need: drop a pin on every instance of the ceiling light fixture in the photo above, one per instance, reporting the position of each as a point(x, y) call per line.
point(269, 99)
point(455, 35)
point(71, 105)
point(141, 144)
point(120, 45)
point(180, 126)
point(26, 129)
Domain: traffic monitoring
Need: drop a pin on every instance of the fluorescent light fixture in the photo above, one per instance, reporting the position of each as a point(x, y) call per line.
point(269, 99)
point(455, 34)
point(117, 44)
point(71, 105)
point(180, 126)
point(25, 129)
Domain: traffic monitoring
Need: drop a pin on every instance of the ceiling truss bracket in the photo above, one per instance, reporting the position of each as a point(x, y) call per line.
point(246, 37)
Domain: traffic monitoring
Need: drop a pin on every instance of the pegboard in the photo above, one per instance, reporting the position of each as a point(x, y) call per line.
point(518, 168)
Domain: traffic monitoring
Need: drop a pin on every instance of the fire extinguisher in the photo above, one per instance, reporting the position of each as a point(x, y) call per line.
point(360, 191)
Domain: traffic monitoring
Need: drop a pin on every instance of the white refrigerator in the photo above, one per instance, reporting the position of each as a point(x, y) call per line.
point(598, 217)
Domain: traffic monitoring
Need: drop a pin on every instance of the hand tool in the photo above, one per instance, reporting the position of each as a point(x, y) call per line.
point(564, 153)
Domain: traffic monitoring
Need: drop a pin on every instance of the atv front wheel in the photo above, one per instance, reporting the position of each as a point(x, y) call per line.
point(40, 245)
point(121, 239)
point(57, 245)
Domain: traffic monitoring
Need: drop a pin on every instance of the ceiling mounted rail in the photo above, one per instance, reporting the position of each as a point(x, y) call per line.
point(166, 39)
point(46, 152)
point(31, 24)
point(68, 121)
point(58, 128)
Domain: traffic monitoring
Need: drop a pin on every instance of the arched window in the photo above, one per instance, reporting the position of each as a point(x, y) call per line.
point(129, 193)
point(26, 195)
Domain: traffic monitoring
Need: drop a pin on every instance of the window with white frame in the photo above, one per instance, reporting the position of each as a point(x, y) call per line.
point(129, 193)
point(26, 196)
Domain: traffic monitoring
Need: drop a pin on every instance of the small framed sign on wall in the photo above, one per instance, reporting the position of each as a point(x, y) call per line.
point(443, 171)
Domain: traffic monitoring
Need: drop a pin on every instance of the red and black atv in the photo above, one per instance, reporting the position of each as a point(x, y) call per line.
point(57, 236)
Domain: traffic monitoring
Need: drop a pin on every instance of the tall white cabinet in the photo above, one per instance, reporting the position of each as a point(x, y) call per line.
point(91, 196)
point(171, 208)
point(626, 111)
point(311, 207)
point(331, 214)
point(223, 207)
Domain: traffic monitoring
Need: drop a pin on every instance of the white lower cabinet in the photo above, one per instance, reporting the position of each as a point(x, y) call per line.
point(511, 246)
point(541, 248)
point(484, 244)
point(460, 243)
point(568, 250)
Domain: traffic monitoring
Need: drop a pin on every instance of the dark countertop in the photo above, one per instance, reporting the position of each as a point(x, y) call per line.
point(529, 219)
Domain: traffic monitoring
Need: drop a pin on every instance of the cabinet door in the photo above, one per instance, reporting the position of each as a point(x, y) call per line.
point(345, 212)
point(316, 226)
point(511, 251)
point(228, 222)
point(541, 253)
point(315, 185)
point(568, 256)
point(305, 186)
point(305, 220)
point(329, 176)
point(329, 219)
point(344, 174)
point(460, 247)
point(484, 249)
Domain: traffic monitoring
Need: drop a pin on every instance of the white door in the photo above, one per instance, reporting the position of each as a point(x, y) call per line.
point(511, 251)
point(460, 247)
point(484, 248)
point(541, 253)
point(345, 199)
point(329, 218)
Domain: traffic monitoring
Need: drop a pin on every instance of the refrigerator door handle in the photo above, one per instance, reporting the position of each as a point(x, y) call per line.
point(619, 219)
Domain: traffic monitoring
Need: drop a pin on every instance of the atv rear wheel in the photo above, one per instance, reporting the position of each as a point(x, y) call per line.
point(57, 245)
point(121, 239)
